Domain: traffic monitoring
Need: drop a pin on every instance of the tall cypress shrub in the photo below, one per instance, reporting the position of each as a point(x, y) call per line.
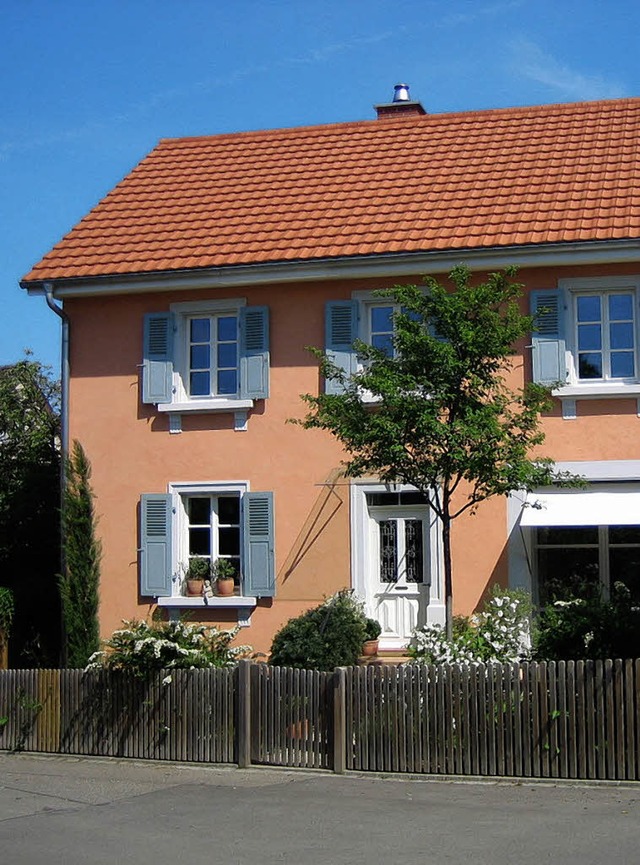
point(82, 553)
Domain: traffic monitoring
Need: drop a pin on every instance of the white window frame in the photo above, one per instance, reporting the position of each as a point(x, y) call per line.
point(596, 388)
point(182, 401)
point(179, 531)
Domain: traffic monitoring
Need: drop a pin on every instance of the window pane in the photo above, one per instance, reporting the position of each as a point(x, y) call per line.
point(229, 541)
point(200, 330)
point(388, 551)
point(199, 542)
point(414, 552)
point(384, 342)
point(624, 534)
point(624, 567)
point(561, 536)
point(590, 365)
point(589, 308)
point(199, 384)
point(622, 364)
point(589, 337)
point(620, 307)
point(199, 357)
point(228, 354)
point(229, 510)
point(227, 328)
point(567, 573)
point(620, 336)
point(227, 381)
point(199, 510)
point(381, 319)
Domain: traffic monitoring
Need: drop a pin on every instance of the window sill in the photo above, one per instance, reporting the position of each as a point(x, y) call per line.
point(569, 394)
point(243, 605)
point(238, 407)
point(206, 405)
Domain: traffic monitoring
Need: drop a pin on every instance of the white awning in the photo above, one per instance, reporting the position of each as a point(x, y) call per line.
point(602, 505)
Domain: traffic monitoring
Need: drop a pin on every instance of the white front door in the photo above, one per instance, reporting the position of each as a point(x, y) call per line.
point(398, 570)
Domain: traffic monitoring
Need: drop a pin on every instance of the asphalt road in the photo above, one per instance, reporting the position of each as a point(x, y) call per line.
point(81, 811)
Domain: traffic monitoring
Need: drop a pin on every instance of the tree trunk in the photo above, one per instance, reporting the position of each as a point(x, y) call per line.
point(448, 582)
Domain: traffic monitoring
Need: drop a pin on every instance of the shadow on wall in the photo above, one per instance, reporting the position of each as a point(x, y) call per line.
point(326, 522)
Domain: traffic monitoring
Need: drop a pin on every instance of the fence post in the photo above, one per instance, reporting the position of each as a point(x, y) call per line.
point(244, 714)
point(339, 720)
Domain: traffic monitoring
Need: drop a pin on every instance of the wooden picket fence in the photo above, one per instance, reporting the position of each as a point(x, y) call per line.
point(550, 720)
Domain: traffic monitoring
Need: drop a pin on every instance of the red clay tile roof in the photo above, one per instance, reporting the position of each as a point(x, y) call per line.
point(545, 174)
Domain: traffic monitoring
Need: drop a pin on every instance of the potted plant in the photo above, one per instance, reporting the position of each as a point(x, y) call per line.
point(198, 570)
point(223, 572)
point(372, 632)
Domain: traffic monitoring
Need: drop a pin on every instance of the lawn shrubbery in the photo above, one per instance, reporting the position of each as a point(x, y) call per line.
point(141, 648)
point(325, 637)
point(499, 633)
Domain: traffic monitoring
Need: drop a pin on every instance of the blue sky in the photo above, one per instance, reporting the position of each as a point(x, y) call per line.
point(87, 88)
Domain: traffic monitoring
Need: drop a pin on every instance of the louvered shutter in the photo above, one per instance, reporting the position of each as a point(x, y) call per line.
point(549, 348)
point(341, 329)
point(254, 352)
point(157, 362)
point(259, 579)
point(155, 544)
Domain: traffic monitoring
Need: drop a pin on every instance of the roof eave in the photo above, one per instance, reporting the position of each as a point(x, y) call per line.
point(347, 267)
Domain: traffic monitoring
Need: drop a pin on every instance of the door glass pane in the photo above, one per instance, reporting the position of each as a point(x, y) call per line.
point(388, 551)
point(229, 541)
point(200, 330)
point(229, 510)
point(199, 384)
point(227, 328)
point(227, 381)
point(414, 551)
point(199, 357)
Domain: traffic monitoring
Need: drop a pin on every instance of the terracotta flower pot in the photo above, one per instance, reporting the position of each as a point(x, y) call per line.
point(370, 648)
point(225, 587)
point(195, 587)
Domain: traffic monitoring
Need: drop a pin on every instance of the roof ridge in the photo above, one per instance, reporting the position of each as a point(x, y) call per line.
point(387, 123)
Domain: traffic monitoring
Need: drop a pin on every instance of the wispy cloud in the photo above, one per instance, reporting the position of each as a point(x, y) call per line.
point(478, 11)
point(133, 111)
point(532, 62)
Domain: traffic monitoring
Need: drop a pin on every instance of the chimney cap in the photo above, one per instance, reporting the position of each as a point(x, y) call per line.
point(402, 104)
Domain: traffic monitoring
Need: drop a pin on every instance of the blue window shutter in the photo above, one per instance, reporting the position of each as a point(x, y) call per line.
point(157, 365)
point(341, 329)
point(254, 352)
point(155, 544)
point(258, 545)
point(548, 355)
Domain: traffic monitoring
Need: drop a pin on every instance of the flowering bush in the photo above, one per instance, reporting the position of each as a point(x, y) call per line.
point(589, 627)
point(499, 633)
point(140, 648)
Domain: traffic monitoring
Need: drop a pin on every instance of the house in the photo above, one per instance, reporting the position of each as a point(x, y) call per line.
point(191, 292)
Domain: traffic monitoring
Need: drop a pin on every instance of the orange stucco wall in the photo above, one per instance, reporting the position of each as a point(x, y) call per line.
point(132, 452)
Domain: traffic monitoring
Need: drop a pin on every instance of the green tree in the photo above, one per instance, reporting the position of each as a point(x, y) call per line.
point(81, 572)
point(29, 509)
point(437, 413)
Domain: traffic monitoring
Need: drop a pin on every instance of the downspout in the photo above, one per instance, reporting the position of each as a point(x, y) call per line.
point(64, 436)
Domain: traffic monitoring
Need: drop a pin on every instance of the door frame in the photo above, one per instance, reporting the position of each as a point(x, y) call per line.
point(361, 548)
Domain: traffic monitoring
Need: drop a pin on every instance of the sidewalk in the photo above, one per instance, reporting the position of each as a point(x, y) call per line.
point(90, 811)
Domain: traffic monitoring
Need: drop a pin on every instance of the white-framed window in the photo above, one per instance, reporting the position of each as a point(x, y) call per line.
point(210, 520)
point(604, 335)
point(211, 528)
point(212, 356)
point(573, 561)
point(378, 327)
point(208, 355)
